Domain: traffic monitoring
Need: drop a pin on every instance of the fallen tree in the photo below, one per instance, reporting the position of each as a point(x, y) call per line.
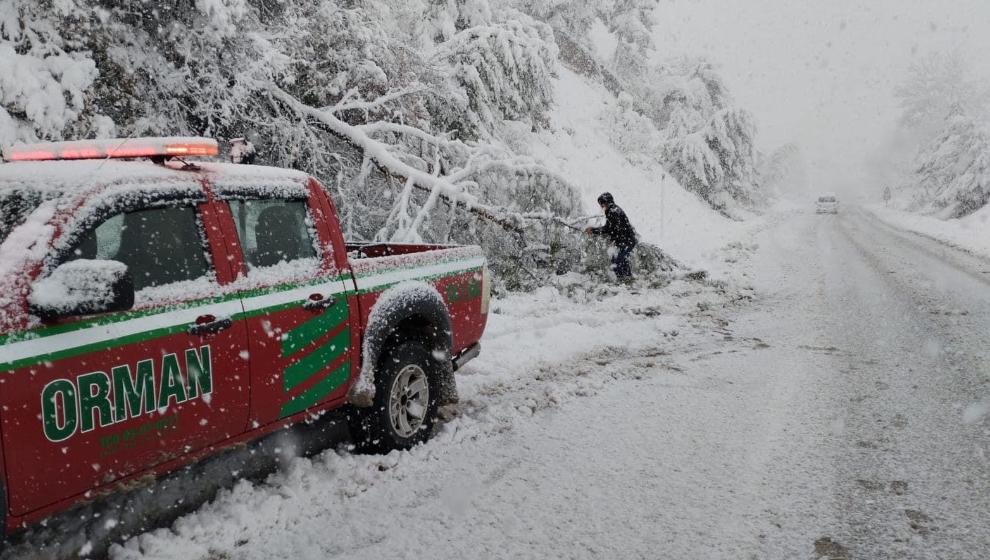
point(542, 240)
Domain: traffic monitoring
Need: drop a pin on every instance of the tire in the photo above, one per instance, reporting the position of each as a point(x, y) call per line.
point(407, 400)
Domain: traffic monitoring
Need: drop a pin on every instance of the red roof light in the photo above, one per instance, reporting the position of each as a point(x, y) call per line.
point(113, 148)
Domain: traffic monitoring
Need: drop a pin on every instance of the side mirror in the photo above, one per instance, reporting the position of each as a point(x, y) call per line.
point(82, 287)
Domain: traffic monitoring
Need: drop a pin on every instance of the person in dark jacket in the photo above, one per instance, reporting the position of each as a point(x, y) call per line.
point(620, 232)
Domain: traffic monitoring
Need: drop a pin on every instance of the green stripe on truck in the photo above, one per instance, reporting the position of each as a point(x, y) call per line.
point(316, 360)
point(95, 347)
point(53, 330)
point(66, 329)
point(317, 392)
point(308, 332)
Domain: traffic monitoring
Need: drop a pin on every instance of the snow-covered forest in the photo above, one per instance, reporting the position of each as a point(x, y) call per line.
point(418, 115)
point(944, 124)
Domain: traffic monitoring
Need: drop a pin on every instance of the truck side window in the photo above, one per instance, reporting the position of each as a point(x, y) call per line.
point(273, 232)
point(159, 245)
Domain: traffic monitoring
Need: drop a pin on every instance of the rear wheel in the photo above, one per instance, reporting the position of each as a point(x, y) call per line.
point(407, 395)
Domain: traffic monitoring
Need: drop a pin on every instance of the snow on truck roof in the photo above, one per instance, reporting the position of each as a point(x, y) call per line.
point(173, 146)
point(62, 167)
point(70, 174)
point(67, 176)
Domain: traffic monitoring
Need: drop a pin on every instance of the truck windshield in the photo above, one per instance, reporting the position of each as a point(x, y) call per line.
point(15, 206)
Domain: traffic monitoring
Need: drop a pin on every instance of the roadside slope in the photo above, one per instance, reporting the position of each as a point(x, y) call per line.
point(663, 212)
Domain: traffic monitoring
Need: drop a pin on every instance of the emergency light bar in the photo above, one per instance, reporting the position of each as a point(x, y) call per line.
point(175, 146)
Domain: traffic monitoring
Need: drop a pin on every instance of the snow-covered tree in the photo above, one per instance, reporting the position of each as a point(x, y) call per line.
point(43, 81)
point(632, 23)
point(953, 172)
point(631, 132)
point(944, 120)
point(936, 84)
point(708, 141)
point(503, 71)
point(784, 170)
point(574, 17)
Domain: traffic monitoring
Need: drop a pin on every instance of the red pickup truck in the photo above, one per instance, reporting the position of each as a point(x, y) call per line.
point(155, 311)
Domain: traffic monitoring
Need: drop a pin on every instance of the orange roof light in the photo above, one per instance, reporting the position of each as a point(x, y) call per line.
point(125, 148)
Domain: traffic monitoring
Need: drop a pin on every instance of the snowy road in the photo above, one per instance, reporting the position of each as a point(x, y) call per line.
point(841, 415)
point(877, 360)
point(879, 370)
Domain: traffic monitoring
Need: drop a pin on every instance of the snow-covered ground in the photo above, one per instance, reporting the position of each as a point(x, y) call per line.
point(840, 414)
point(545, 353)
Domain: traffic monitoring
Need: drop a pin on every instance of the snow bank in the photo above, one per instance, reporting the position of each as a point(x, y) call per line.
point(971, 233)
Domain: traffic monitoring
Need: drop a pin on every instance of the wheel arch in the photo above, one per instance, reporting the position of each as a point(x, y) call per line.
point(406, 311)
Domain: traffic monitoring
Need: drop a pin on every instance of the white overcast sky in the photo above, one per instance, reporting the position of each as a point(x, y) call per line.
point(821, 73)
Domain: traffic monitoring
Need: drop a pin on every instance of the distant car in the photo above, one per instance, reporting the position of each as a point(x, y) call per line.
point(827, 204)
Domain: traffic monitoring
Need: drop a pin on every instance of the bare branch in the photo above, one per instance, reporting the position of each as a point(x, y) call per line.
point(384, 159)
point(345, 105)
point(376, 128)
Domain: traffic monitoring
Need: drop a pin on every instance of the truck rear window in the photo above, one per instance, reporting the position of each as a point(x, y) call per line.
point(273, 232)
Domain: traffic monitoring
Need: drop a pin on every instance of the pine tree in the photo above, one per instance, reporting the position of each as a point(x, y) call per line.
point(708, 141)
point(953, 171)
point(632, 23)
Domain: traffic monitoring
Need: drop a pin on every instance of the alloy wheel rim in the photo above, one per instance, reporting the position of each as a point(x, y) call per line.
point(408, 400)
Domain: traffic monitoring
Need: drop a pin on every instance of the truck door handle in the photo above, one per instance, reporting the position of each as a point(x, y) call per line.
point(317, 302)
point(208, 324)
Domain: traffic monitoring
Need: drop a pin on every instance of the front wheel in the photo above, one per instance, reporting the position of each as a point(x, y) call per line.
point(407, 397)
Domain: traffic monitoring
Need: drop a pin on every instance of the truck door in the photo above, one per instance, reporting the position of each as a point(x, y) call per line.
point(302, 346)
point(92, 399)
